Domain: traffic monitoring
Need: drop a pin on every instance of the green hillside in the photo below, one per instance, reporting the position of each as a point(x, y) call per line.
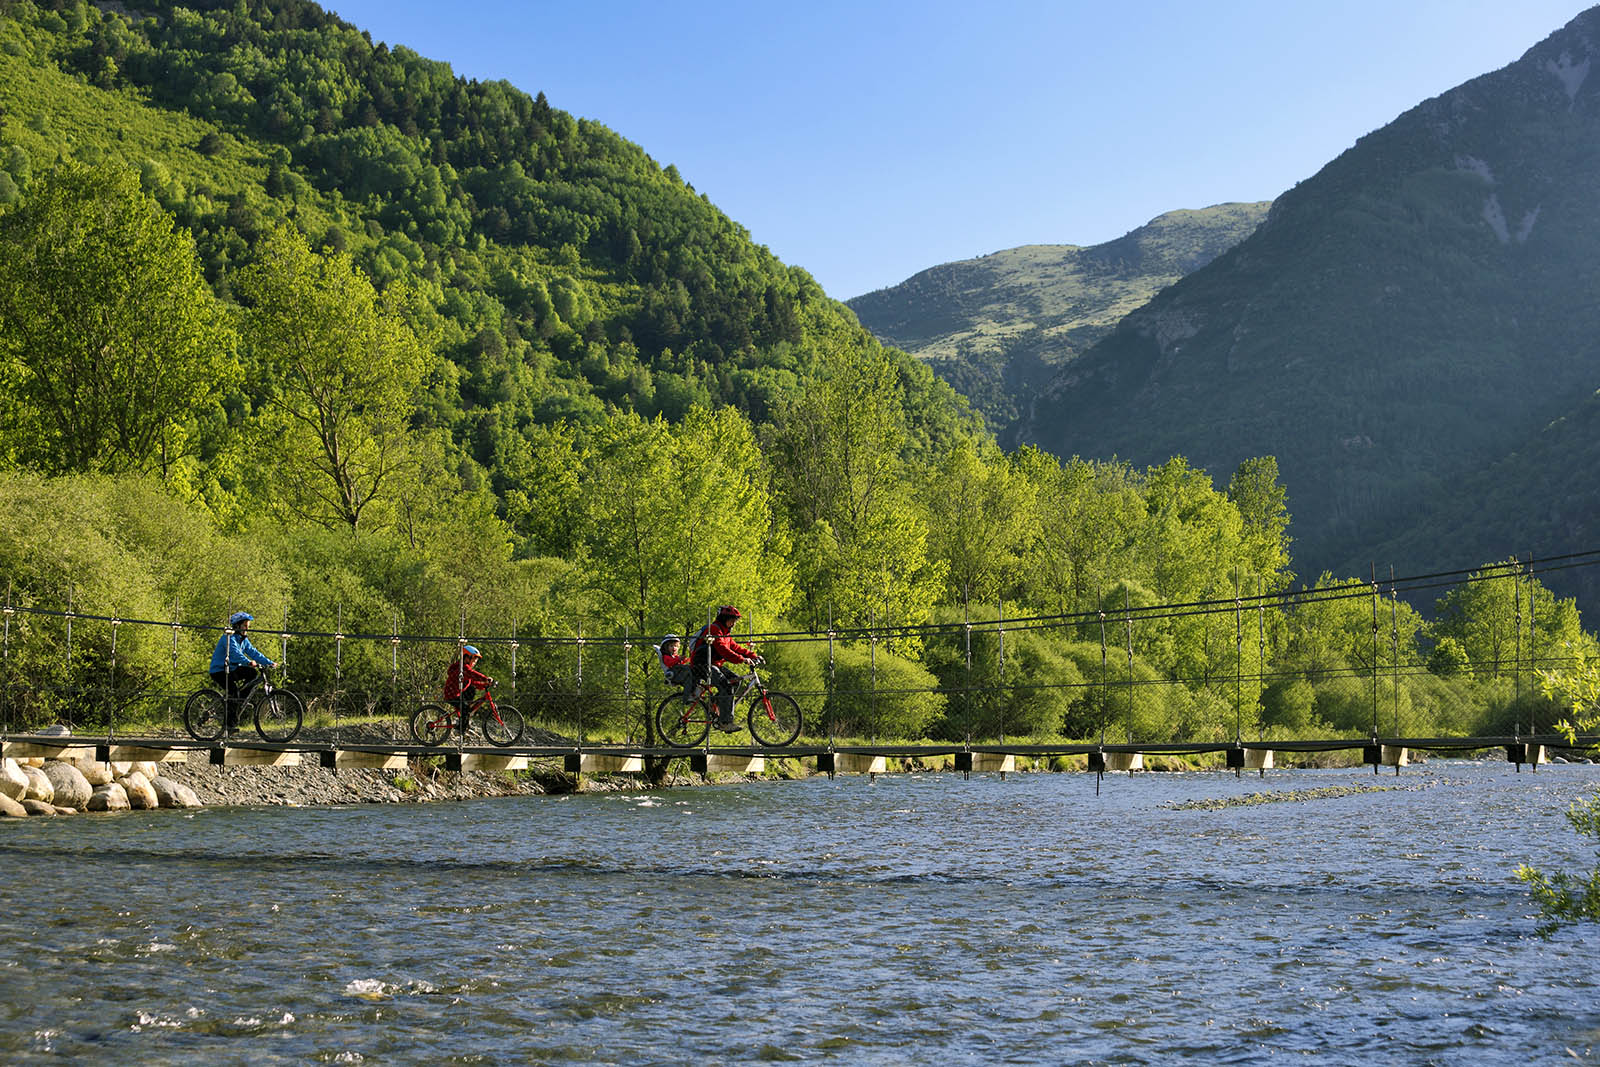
point(1403, 319)
point(998, 327)
point(569, 272)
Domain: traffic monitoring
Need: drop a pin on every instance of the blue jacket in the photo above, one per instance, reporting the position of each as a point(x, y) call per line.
point(235, 650)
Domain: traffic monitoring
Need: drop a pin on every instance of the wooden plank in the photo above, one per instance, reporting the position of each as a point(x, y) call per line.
point(1258, 759)
point(852, 763)
point(378, 761)
point(139, 754)
point(47, 750)
point(603, 763)
point(1124, 761)
point(723, 763)
point(986, 762)
point(253, 757)
point(487, 761)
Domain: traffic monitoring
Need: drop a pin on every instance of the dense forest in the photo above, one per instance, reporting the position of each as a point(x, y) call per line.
point(293, 321)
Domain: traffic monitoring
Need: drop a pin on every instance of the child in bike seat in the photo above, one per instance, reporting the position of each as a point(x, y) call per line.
point(677, 668)
point(463, 680)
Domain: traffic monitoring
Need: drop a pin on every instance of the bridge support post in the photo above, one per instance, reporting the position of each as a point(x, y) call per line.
point(1522, 752)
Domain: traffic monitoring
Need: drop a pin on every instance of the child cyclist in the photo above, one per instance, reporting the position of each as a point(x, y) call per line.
point(233, 665)
point(463, 681)
point(674, 666)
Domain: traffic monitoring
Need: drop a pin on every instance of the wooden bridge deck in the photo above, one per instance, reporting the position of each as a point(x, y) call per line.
point(869, 758)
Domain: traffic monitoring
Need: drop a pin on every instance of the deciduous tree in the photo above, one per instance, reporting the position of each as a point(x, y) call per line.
point(109, 335)
point(339, 371)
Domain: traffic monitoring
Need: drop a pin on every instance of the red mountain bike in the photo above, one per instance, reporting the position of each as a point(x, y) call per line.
point(684, 720)
point(502, 723)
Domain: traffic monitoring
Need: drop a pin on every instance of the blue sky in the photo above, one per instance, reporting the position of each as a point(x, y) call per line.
point(868, 141)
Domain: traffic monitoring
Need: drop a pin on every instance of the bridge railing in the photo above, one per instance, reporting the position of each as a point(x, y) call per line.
point(972, 677)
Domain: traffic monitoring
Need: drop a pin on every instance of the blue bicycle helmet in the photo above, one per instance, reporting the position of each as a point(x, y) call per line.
point(470, 651)
point(240, 616)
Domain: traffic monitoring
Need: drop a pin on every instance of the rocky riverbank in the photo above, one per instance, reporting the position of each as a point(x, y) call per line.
point(60, 787)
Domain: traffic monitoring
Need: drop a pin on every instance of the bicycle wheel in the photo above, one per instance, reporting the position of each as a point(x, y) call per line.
point(205, 714)
point(432, 723)
point(504, 728)
point(774, 718)
point(279, 715)
point(683, 723)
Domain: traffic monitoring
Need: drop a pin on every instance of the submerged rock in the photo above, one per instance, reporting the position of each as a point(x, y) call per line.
point(170, 794)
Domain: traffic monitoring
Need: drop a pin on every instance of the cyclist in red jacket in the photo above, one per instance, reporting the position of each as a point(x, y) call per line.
point(714, 646)
point(463, 680)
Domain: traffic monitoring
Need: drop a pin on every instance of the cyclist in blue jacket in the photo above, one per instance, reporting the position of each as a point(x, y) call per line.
point(234, 662)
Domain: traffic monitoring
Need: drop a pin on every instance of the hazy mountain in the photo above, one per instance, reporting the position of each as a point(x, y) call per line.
point(1400, 324)
point(998, 327)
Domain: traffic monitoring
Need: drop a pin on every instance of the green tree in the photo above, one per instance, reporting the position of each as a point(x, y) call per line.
point(1264, 511)
point(1087, 514)
point(1504, 619)
point(340, 371)
point(861, 544)
point(980, 516)
point(681, 519)
point(109, 335)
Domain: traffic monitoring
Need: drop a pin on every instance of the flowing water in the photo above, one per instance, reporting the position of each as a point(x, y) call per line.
point(926, 919)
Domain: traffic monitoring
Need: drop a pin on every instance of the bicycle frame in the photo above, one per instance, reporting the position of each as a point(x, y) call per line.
point(744, 686)
point(466, 712)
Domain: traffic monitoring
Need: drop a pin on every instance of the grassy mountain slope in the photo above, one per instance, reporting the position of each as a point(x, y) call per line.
point(999, 326)
point(1405, 318)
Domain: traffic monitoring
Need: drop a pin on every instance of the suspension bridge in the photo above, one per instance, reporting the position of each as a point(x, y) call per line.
point(588, 700)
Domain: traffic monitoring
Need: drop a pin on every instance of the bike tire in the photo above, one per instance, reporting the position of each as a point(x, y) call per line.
point(774, 718)
point(432, 723)
point(504, 731)
point(681, 722)
point(279, 716)
point(205, 714)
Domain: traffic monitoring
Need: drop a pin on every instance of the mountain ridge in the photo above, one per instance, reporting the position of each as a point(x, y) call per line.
point(1402, 319)
point(998, 325)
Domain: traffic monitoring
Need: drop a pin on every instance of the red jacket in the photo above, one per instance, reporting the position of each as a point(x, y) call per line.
point(463, 676)
point(724, 649)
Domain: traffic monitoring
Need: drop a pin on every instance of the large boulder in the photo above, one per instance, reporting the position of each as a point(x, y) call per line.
point(38, 807)
point(13, 783)
point(148, 768)
point(11, 809)
point(171, 794)
point(72, 789)
point(140, 793)
point(94, 772)
point(110, 797)
point(39, 787)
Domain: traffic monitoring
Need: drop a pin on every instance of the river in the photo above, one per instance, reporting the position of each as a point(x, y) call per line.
point(925, 919)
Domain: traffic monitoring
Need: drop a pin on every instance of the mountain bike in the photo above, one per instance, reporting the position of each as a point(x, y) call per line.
point(684, 719)
point(276, 711)
point(502, 723)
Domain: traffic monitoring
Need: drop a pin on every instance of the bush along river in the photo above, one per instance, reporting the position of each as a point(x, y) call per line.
point(1184, 917)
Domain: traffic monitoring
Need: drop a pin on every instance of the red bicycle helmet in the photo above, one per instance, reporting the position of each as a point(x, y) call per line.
point(728, 611)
